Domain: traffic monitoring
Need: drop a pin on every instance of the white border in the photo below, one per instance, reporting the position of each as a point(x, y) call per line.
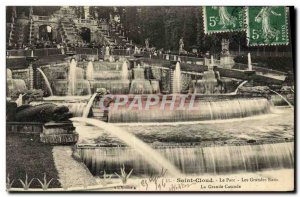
point(115, 2)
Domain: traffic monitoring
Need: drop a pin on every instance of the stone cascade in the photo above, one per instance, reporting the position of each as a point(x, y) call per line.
point(69, 31)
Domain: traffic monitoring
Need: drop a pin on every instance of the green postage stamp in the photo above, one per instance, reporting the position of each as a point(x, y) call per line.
point(267, 26)
point(219, 19)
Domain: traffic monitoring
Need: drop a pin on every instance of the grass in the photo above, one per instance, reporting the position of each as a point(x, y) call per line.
point(25, 154)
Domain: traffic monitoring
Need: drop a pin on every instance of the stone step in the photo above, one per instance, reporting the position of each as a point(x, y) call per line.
point(97, 110)
point(98, 114)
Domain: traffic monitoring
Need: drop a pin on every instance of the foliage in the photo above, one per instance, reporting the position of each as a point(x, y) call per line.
point(124, 176)
point(105, 179)
point(45, 184)
point(9, 182)
point(26, 184)
point(20, 151)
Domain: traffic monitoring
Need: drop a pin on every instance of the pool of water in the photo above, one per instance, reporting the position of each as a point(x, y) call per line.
point(215, 147)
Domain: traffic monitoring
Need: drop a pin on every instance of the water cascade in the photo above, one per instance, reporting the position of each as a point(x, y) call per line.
point(19, 100)
point(202, 110)
point(13, 85)
point(46, 81)
point(90, 71)
point(124, 71)
point(195, 160)
point(209, 82)
point(177, 79)
point(241, 84)
point(72, 78)
point(249, 62)
point(106, 75)
point(8, 74)
point(292, 107)
point(88, 106)
point(153, 158)
point(140, 85)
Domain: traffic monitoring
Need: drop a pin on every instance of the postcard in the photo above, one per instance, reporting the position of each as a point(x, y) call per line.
point(150, 98)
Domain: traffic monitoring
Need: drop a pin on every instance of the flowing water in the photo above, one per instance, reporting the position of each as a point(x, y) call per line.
point(88, 106)
point(219, 147)
point(202, 110)
point(46, 81)
point(90, 71)
point(72, 78)
point(16, 85)
point(237, 89)
point(177, 79)
point(150, 156)
point(124, 71)
point(19, 100)
point(283, 98)
point(140, 85)
point(194, 160)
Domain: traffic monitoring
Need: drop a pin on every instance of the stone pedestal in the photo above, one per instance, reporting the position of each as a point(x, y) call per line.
point(227, 61)
point(59, 133)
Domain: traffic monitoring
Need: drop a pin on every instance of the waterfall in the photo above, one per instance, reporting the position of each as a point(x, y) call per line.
point(8, 74)
point(72, 78)
point(203, 110)
point(249, 62)
point(88, 106)
point(124, 71)
point(177, 79)
point(90, 71)
point(283, 98)
point(19, 100)
point(243, 83)
point(17, 85)
point(46, 81)
point(152, 157)
point(195, 160)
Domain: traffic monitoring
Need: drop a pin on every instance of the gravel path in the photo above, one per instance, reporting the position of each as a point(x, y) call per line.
point(71, 172)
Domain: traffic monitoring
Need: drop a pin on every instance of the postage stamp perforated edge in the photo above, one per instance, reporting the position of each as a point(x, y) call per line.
point(246, 19)
point(206, 31)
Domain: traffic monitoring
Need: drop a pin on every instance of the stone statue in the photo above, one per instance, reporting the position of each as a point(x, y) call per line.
point(181, 45)
point(147, 43)
point(107, 51)
point(42, 113)
point(225, 47)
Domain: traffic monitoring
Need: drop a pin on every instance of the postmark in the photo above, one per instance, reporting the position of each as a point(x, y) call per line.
point(219, 19)
point(267, 26)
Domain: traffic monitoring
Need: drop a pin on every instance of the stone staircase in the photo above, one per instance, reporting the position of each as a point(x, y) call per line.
point(69, 31)
point(117, 36)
